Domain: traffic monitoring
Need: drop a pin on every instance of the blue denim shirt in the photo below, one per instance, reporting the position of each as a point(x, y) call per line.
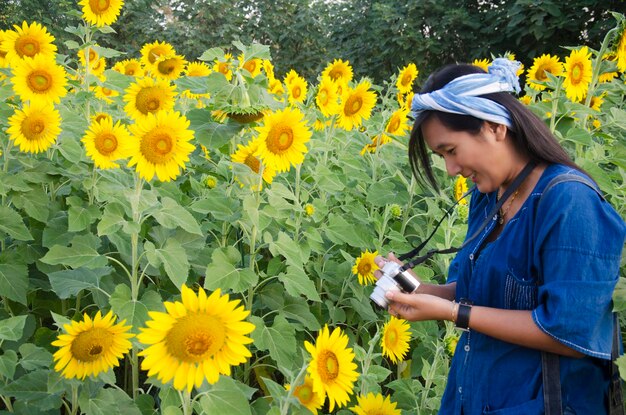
point(559, 259)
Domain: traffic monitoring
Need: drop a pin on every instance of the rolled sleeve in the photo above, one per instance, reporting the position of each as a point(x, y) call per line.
point(579, 243)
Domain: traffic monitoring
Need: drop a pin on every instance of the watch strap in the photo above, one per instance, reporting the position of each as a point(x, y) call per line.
point(463, 316)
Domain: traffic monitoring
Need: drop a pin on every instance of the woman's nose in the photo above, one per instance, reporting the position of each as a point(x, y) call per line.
point(452, 167)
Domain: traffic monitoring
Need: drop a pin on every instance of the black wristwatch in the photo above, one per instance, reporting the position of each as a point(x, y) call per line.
point(463, 316)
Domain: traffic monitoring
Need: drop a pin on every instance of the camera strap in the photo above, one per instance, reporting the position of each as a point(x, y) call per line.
point(490, 217)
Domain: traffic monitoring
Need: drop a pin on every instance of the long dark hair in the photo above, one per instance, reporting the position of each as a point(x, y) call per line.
point(531, 136)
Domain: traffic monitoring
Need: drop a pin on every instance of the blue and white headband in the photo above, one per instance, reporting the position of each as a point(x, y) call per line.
point(461, 95)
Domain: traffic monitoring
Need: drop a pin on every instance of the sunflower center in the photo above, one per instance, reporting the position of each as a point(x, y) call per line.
point(328, 366)
point(148, 100)
point(106, 143)
point(99, 6)
point(196, 337)
point(391, 337)
point(253, 163)
point(130, 71)
point(26, 47)
point(90, 345)
point(106, 91)
point(353, 105)
point(166, 66)
point(324, 96)
point(32, 128)
point(304, 394)
point(250, 66)
point(364, 267)
point(335, 74)
point(406, 79)
point(156, 146)
point(394, 124)
point(577, 73)
point(296, 92)
point(101, 117)
point(279, 139)
point(39, 81)
point(541, 74)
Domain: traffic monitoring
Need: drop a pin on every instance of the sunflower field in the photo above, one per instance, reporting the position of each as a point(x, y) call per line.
point(197, 236)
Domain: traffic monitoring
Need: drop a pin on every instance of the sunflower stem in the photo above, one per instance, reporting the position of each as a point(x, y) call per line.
point(596, 65)
point(284, 405)
point(405, 219)
point(187, 404)
point(429, 377)
point(555, 104)
point(368, 359)
point(74, 399)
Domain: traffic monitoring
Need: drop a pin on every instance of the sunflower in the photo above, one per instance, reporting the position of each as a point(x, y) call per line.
point(309, 209)
point(395, 340)
point(98, 67)
point(223, 66)
point(542, 65)
point(101, 116)
point(407, 75)
point(161, 145)
point(91, 346)
point(35, 127)
point(364, 267)
point(27, 41)
point(596, 102)
point(39, 78)
point(608, 76)
point(450, 341)
point(289, 76)
point(356, 105)
point(398, 123)
point(377, 141)
point(101, 12)
point(268, 67)
point(150, 52)
point(327, 99)
point(526, 99)
point(282, 139)
point(482, 64)
point(296, 89)
point(253, 66)
point(4, 62)
point(168, 67)
point(375, 405)
point(405, 100)
point(621, 51)
point(148, 96)
point(460, 188)
point(332, 366)
point(248, 155)
point(338, 71)
point(105, 143)
point(197, 69)
point(106, 94)
point(131, 67)
point(308, 398)
point(276, 87)
point(82, 57)
point(577, 74)
point(196, 339)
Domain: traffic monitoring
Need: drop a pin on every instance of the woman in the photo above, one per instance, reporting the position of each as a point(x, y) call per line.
point(540, 275)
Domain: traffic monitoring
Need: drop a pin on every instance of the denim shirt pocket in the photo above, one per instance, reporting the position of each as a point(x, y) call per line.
point(533, 407)
point(520, 293)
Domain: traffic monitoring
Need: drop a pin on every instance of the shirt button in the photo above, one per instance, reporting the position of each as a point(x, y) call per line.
point(460, 389)
point(467, 348)
point(471, 257)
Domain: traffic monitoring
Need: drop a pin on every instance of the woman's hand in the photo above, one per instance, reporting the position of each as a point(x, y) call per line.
point(380, 261)
point(419, 307)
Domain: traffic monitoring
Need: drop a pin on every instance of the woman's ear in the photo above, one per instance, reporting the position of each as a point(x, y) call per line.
point(498, 130)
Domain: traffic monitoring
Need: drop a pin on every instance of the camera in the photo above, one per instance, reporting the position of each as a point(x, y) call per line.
point(394, 278)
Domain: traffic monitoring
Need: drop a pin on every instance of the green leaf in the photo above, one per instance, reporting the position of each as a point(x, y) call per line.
point(79, 217)
point(68, 283)
point(12, 328)
point(33, 388)
point(225, 397)
point(340, 231)
point(297, 283)
point(34, 357)
point(8, 363)
point(219, 205)
point(112, 219)
point(174, 259)
point(109, 401)
point(82, 253)
point(328, 181)
point(279, 340)
point(222, 272)
point(14, 282)
point(295, 254)
point(35, 203)
point(12, 224)
point(172, 215)
point(134, 312)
